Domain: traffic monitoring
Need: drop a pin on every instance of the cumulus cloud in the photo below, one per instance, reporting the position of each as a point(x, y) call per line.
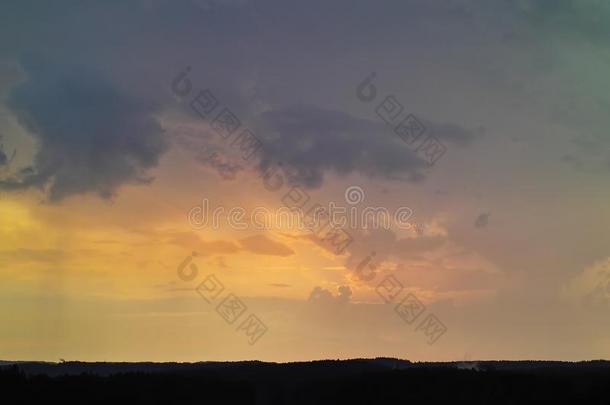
point(591, 287)
point(324, 297)
point(92, 138)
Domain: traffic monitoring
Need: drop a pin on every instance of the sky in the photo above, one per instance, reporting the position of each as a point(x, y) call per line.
point(481, 127)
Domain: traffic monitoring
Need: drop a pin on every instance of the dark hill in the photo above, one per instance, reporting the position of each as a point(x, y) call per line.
point(358, 381)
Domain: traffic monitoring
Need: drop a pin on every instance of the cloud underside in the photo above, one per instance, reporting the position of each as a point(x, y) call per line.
point(310, 141)
point(91, 137)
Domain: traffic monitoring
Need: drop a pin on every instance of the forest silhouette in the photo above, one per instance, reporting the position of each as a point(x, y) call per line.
point(360, 381)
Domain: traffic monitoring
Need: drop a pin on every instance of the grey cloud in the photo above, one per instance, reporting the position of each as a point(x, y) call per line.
point(385, 244)
point(242, 39)
point(3, 157)
point(222, 165)
point(91, 137)
point(587, 163)
point(574, 161)
point(482, 220)
point(451, 132)
point(5, 160)
point(311, 141)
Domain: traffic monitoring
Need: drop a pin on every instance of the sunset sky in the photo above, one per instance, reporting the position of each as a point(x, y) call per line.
point(104, 163)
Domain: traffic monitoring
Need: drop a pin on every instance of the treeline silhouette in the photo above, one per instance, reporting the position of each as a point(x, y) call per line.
point(374, 381)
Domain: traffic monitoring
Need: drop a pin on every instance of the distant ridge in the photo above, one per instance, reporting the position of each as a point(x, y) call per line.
point(351, 382)
point(339, 366)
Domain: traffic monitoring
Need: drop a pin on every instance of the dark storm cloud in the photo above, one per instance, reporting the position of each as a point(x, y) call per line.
point(3, 157)
point(313, 141)
point(91, 137)
point(5, 160)
point(233, 47)
point(452, 133)
point(482, 220)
